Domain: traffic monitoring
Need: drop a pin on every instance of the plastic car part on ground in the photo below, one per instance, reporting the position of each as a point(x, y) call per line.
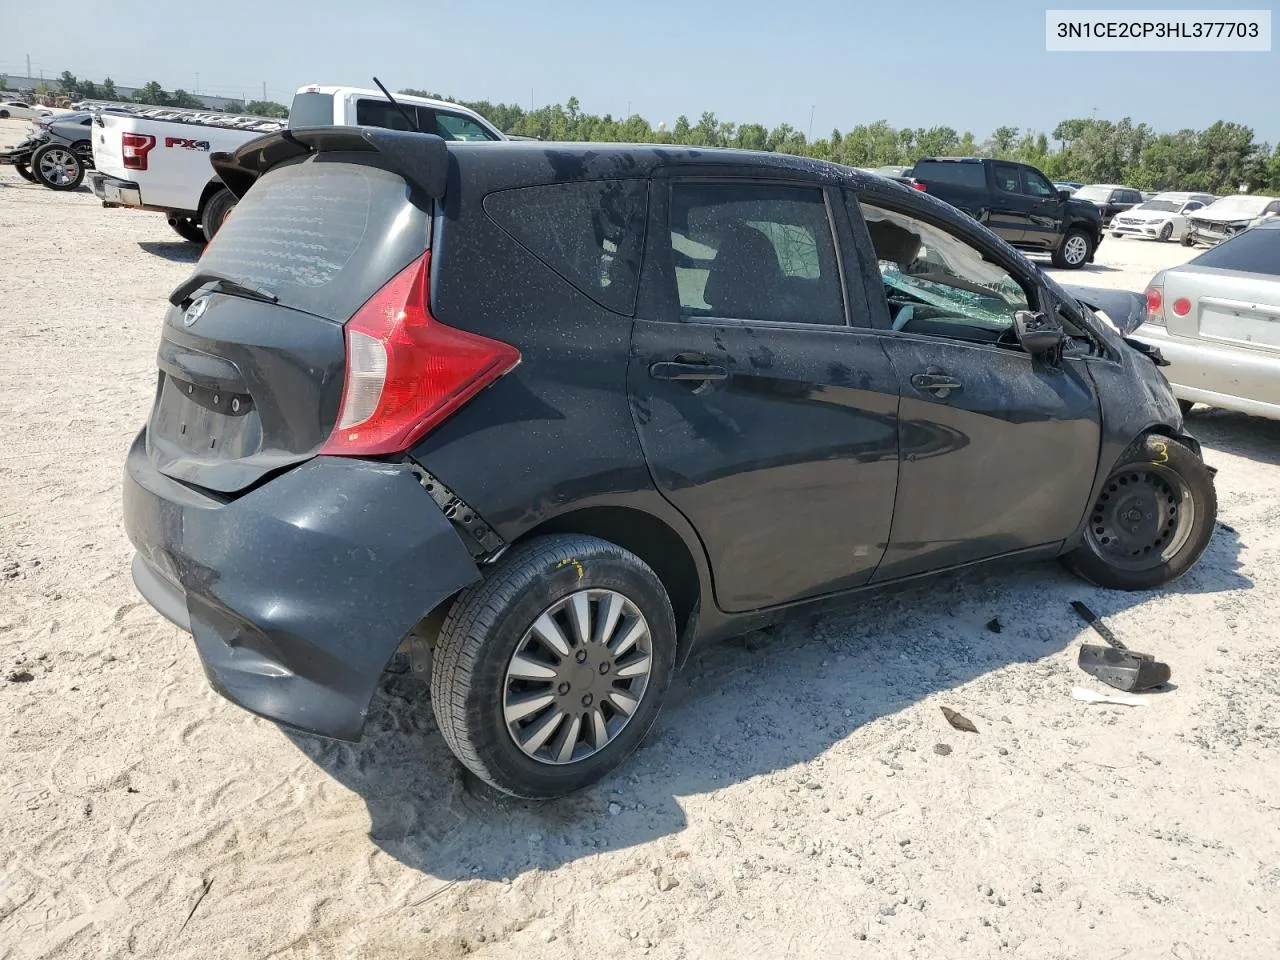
point(1115, 664)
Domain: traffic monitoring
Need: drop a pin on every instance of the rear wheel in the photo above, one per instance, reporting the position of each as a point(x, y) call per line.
point(216, 212)
point(1073, 253)
point(550, 672)
point(1152, 520)
point(4, 114)
point(1166, 232)
point(25, 172)
point(188, 229)
point(57, 167)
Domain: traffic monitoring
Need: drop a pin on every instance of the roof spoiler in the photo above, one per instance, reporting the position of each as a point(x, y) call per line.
point(421, 158)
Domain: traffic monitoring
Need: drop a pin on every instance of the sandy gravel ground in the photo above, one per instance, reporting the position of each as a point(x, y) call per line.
point(801, 797)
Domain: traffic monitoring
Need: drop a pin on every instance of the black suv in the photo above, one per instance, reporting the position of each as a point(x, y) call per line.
point(548, 415)
point(1017, 203)
point(1109, 199)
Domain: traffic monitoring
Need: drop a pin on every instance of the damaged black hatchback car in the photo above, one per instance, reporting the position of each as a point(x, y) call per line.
point(556, 413)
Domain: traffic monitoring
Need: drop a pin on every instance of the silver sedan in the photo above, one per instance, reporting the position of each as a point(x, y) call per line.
point(1216, 319)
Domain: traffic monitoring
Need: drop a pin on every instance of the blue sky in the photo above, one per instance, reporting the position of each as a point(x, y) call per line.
point(969, 65)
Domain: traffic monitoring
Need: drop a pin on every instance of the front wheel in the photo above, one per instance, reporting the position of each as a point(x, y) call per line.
point(1166, 232)
point(1187, 239)
point(1074, 251)
point(57, 167)
point(25, 172)
point(1152, 520)
point(550, 672)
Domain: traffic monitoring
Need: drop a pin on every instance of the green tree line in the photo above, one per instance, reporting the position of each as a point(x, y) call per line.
point(1218, 159)
point(152, 94)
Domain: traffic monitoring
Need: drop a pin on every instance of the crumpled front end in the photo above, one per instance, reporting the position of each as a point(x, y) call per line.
point(298, 592)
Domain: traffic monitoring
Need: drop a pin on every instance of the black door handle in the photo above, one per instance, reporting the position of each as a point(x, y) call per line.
point(673, 370)
point(940, 383)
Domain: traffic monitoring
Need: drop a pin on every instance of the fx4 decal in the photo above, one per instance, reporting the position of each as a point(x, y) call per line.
point(187, 144)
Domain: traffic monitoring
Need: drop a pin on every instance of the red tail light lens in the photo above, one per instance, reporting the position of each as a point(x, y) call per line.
point(1155, 305)
point(919, 185)
point(1182, 306)
point(406, 371)
point(135, 147)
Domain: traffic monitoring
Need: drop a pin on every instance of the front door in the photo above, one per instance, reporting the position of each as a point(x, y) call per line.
point(766, 420)
point(1046, 211)
point(998, 453)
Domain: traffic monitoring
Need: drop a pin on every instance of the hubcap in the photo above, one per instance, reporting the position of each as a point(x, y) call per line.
point(1142, 518)
point(1076, 249)
point(58, 166)
point(577, 676)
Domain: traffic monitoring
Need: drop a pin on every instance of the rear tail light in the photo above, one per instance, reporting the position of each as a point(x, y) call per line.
point(1182, 306)
point(1155, 305)
point(135, 147)
point(406, 371)
point(919, 185)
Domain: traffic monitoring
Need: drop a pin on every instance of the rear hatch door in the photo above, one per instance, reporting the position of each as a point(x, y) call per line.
point(252, 354)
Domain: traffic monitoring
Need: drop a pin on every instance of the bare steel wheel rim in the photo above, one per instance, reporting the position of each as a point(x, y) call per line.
point(1076, 248)
point(1142, 518)
point(577, 676)
point(59, 166)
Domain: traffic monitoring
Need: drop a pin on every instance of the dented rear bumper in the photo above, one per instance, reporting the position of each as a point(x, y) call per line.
point(297, 593)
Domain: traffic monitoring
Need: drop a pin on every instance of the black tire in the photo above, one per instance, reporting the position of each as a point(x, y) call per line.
point(57, 157)
point(1185, 406)
point(188, 229)
point(1177, 476)
point(25, 172)
point(216, 211)
point(1166, 233)
point(1079, 255)
point(1117, 235)
point(1188, 240)
point(489, 621)
point(4, 114)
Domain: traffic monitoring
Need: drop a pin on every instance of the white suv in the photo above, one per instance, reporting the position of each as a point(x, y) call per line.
point(320, 106)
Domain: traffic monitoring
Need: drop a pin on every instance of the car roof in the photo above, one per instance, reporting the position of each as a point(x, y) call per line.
point(379, 95)
point(1111, 186)
point(1180, 195)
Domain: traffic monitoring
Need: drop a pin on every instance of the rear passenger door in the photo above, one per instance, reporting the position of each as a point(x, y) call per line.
point(1010, 209)
point(766, 419)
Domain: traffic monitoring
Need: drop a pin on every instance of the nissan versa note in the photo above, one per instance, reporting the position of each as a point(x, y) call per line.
point(559, 412)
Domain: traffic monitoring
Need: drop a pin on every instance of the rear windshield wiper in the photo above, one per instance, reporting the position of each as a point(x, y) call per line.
point(182, 293)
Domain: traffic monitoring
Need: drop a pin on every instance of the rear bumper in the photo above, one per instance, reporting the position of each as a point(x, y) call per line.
point(114, 192)
point(298, 593)
point(1203, 371)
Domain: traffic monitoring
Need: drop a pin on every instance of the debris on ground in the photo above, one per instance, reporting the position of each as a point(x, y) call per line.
point(20, 676)
point(994, 625)
point(1116, 665)
point(959, 720)
point(1085, 695)
point(942, 749)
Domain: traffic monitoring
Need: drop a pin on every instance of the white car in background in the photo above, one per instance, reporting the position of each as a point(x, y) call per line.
point(19, 110)
point(1163, 217)
point(323, 106)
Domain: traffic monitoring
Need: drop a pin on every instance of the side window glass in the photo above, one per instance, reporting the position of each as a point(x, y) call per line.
point(380, 113)
point(1036, 185)
point(1193, 205)
point(453, 127)
point(588, 231)
point(1007, 178)
point(938, 284)
point(754, 252)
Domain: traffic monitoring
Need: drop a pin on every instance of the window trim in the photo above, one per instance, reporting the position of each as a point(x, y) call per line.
point(881, 309)
point(670, 304)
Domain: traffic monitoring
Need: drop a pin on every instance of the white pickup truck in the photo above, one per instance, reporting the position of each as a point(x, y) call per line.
point(158, 159)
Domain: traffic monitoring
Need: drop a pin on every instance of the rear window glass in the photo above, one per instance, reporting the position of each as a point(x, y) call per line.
point(960, 174)
point(589, 232)
point(1254, 251)
point(323, 235)
point(311, 110)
